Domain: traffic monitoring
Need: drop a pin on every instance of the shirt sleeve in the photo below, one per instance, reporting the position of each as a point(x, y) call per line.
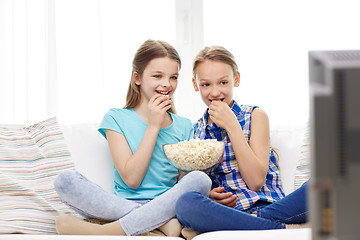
point(110, 122)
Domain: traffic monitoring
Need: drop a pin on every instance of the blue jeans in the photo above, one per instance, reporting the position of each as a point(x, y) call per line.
point(200, 213)
point(135, 216)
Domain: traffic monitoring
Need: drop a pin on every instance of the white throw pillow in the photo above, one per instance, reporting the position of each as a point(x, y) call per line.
point(90, 153)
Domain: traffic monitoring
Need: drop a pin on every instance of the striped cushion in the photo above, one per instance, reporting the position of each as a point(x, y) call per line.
point(30, 159)
point(302, 172)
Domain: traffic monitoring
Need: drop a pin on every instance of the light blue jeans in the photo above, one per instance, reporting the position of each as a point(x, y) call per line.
point(135, 216)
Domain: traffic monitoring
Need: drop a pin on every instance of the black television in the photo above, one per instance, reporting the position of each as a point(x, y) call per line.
point(335, 144)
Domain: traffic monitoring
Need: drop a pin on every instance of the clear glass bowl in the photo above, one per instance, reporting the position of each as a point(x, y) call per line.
point(195, 154)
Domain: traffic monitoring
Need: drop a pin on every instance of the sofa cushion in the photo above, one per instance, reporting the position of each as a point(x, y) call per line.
point(90, 153)
point(287, 139)
point(30, 159)
point(278, 234)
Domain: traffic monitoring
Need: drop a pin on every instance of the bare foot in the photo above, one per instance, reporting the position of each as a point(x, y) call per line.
point(189, 234)
point(302, 225)
point(70, 225)
point(172, 228)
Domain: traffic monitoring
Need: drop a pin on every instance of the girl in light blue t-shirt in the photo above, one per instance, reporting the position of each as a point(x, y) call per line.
point(146, 184)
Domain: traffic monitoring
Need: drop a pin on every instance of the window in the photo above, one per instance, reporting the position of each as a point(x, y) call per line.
point(271, 40)
point(72, 58)
point(95, 47)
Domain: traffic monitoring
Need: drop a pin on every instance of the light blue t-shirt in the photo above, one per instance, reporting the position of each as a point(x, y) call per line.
point(161, 175)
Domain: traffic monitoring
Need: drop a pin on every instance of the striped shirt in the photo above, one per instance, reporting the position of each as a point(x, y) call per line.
point(227, 174)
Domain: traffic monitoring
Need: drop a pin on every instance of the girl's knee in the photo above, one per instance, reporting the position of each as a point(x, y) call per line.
point(200, 182)
point(188, 206)
point(185, 202)
point(64, 181)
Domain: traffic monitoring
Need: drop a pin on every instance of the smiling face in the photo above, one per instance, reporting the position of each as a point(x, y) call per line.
point(160, 76)
point(216, 81)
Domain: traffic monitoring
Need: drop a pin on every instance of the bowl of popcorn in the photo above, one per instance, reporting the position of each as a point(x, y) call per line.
point(194, 154)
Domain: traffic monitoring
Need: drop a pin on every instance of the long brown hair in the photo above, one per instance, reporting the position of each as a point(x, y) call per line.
point(149, 50)
point(215, 53)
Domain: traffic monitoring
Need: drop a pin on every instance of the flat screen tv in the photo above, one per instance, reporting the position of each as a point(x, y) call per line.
point(335, 144)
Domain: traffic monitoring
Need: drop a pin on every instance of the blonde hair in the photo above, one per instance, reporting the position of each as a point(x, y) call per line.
point(149, 50)
point(218, 53)
point(215, 53)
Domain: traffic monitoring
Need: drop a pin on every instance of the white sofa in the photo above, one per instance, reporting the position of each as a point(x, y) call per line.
point(90, 153)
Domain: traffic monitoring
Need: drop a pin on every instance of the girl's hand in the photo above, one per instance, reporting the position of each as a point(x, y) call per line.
point(158, 105)
point(221, 114)
point(228, 199)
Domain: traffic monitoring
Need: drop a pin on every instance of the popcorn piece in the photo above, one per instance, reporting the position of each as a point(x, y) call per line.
point(194, 154)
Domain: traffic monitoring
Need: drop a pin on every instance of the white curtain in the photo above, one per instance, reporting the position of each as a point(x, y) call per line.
point(72, 58)
point(22, 61)
point(96, 42)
